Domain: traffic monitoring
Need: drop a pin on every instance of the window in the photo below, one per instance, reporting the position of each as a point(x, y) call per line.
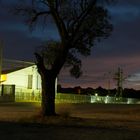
point(30, 81)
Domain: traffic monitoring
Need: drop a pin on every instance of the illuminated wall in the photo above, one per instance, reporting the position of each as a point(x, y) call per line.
point(20, 78)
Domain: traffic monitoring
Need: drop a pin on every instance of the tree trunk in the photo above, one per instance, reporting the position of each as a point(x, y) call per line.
point(48, 94)
point(48, 77)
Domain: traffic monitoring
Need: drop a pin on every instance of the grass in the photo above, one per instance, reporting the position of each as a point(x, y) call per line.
point(21, 121)
point(66, 128)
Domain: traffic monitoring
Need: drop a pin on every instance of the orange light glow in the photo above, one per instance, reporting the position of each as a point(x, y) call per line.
point(3, 77)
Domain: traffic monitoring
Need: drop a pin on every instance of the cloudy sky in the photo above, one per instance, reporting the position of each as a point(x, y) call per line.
point(121, 49)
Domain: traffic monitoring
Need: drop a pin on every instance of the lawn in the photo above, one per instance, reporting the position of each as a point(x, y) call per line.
point(20, 121)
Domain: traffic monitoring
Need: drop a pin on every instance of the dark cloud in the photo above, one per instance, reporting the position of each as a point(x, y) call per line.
point(19, 41)
point(8, 20)
point(122, 48)
point(18, 45)
point(124, 41)
point(124, 10)
point(135, 3)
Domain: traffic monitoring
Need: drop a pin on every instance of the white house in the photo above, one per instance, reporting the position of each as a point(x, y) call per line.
point(24, 78)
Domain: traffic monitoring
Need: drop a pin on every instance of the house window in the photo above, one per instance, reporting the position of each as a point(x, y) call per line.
point(30, 81)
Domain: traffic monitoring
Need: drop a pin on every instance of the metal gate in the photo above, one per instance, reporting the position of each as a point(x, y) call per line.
point(7, 93)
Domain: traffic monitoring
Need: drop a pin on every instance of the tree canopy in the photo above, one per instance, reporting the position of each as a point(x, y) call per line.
point(79, 22)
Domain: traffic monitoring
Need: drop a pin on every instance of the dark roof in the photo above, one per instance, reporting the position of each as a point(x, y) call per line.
point(15, 64)
point(9, 65)
point(11, 70)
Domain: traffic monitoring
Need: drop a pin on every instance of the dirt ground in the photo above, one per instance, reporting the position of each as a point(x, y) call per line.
point(98, 122)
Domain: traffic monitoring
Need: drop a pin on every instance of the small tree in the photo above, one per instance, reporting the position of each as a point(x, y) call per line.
point(80, 23)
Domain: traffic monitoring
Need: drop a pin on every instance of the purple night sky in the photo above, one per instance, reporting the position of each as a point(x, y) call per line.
point(122, 49)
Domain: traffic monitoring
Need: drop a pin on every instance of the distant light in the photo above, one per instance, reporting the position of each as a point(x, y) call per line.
point(96, 94)
point(106, 99)
point(3, 77)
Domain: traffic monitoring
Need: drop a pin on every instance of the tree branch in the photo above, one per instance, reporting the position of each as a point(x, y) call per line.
point(81, 18)
point(44, 2)
point(60, 25)
point(36, 15)
point(40, 63)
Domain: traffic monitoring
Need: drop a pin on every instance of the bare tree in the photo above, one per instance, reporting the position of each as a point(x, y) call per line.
point(80, 24)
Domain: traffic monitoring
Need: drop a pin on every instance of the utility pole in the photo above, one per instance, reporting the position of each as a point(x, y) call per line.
point(119, 78)
point(108, 77)
point(1, 47)
point(109, 83)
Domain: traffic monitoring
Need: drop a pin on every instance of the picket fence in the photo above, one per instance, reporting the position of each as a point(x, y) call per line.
point(35, 96)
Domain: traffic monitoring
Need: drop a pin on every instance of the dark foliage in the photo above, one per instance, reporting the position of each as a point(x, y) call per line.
point(127, 93)
point(80, 24)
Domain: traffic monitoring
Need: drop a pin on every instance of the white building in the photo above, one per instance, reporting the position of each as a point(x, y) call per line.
point(26, 79)
point(22, 78)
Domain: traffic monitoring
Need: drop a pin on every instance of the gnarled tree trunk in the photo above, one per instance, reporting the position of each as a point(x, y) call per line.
point(48, 93)
point(48, 77)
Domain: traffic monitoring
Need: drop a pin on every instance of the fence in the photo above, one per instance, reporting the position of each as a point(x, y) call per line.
point(72, 98)
point(27, 95)
point(35, 96)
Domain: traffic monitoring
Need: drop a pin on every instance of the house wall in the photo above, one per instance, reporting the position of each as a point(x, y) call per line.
point(20, 78)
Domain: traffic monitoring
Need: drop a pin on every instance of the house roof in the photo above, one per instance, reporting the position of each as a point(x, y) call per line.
point(11, 70)
point(14, 65)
